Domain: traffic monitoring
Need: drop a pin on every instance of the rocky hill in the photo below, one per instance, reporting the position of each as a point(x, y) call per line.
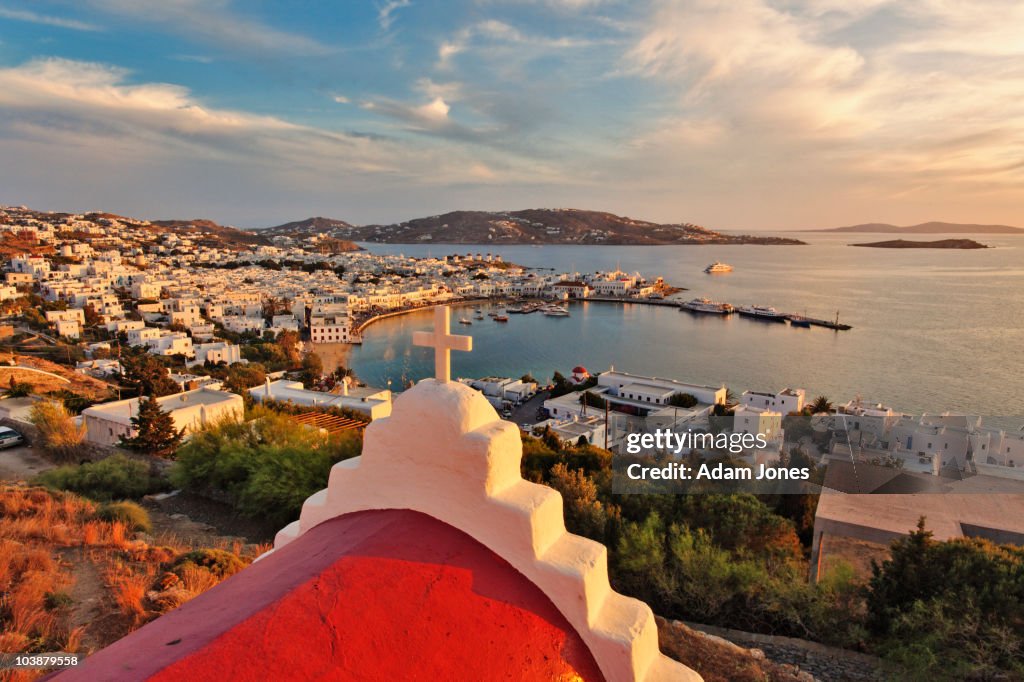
point(309, 226)
point(18, 226)
point(940, 244)
point(531, 226)
point(929, 228)
point(208, 233)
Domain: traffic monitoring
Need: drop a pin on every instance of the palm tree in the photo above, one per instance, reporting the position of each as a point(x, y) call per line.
point(821, 405)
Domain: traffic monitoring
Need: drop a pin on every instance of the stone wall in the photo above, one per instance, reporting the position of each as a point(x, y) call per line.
point(825, 663)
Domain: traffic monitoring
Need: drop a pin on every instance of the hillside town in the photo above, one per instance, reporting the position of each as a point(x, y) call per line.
point(203, 297)
point(157, 340)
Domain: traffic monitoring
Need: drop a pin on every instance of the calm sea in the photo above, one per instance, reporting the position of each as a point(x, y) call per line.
point(932, 330)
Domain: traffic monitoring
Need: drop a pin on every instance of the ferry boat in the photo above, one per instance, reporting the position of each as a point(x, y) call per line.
point(717, 267)
point(465, 320)
point(762, 312)
point(704, 305)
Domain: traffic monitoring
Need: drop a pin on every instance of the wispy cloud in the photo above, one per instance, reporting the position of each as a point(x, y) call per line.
point(386, 12)
point(46, 20)
point(214, 22)
point(73, 109)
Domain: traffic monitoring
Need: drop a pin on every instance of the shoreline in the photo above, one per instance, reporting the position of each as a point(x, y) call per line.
point(491, 301)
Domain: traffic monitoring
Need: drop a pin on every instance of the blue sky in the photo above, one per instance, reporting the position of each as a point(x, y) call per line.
point(748, 114)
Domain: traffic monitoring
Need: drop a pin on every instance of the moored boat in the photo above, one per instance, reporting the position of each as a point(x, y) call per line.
point(555, 311)
point(799, 321)
point(762, 312)
point(704, 305)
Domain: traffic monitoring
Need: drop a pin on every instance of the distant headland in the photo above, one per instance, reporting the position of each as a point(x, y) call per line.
point(938, 244)
point(530, 226)
point(928, 228)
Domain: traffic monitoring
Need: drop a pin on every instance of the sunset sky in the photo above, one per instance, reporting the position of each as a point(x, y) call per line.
point(738, 114)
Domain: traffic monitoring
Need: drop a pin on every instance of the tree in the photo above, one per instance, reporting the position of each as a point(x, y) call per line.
point(560, 385)
point(241, 377)
point(155, 433)
point(686, 400)
point(821, 405)
point(58, 434)
point(950, 609)
point(146, 374)
point(584, 513)
point(92, 316)
point(312, 369)
point(289, 342)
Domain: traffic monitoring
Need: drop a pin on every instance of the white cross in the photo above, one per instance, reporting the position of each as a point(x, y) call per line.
point(442, 342)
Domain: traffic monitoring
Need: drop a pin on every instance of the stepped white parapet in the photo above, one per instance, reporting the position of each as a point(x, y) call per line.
point(445, 453)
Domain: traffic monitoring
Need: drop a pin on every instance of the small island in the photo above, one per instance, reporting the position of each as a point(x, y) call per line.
point(938, 244)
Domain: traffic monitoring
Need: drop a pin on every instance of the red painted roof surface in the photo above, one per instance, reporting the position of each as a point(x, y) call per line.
point(378, 595)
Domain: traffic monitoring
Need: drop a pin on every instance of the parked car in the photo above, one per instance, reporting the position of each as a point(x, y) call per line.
point(9, 437)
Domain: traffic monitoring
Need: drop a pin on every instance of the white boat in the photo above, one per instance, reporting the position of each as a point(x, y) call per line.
point(555, 311)
point(762, 312)
point(717, 267)
point(704, 305)
point(465, 320)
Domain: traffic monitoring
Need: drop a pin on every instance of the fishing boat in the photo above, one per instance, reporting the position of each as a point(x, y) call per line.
point(717, 267)
point(501, 318)
point(465, 320)
point(515, 310)
point(762, 312)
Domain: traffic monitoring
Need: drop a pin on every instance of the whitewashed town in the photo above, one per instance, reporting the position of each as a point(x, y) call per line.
point(105, 282)
point(207, 327)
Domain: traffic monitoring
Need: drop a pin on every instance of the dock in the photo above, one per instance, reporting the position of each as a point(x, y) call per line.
point(802, 321)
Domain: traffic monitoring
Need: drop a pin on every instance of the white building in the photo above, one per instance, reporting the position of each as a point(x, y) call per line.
point(650, 392)
point(106, 424)
point(216, 353)
point(331, 329)
point(501, 390)
point(785, 401)
point(373, 402)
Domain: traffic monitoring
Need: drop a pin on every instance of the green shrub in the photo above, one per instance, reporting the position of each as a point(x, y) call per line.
point(113, 478)
point(217, 561)
point(950, 609)
point(58, 600)
point(268, 465)
point(129, 513)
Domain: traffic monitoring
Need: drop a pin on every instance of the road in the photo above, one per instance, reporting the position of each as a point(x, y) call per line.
point(21, 464)
point(527, 412)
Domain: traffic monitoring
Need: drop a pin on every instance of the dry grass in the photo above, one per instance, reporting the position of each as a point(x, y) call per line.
point(46, 540)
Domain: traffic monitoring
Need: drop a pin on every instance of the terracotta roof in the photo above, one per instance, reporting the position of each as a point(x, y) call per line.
point(328, 422)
